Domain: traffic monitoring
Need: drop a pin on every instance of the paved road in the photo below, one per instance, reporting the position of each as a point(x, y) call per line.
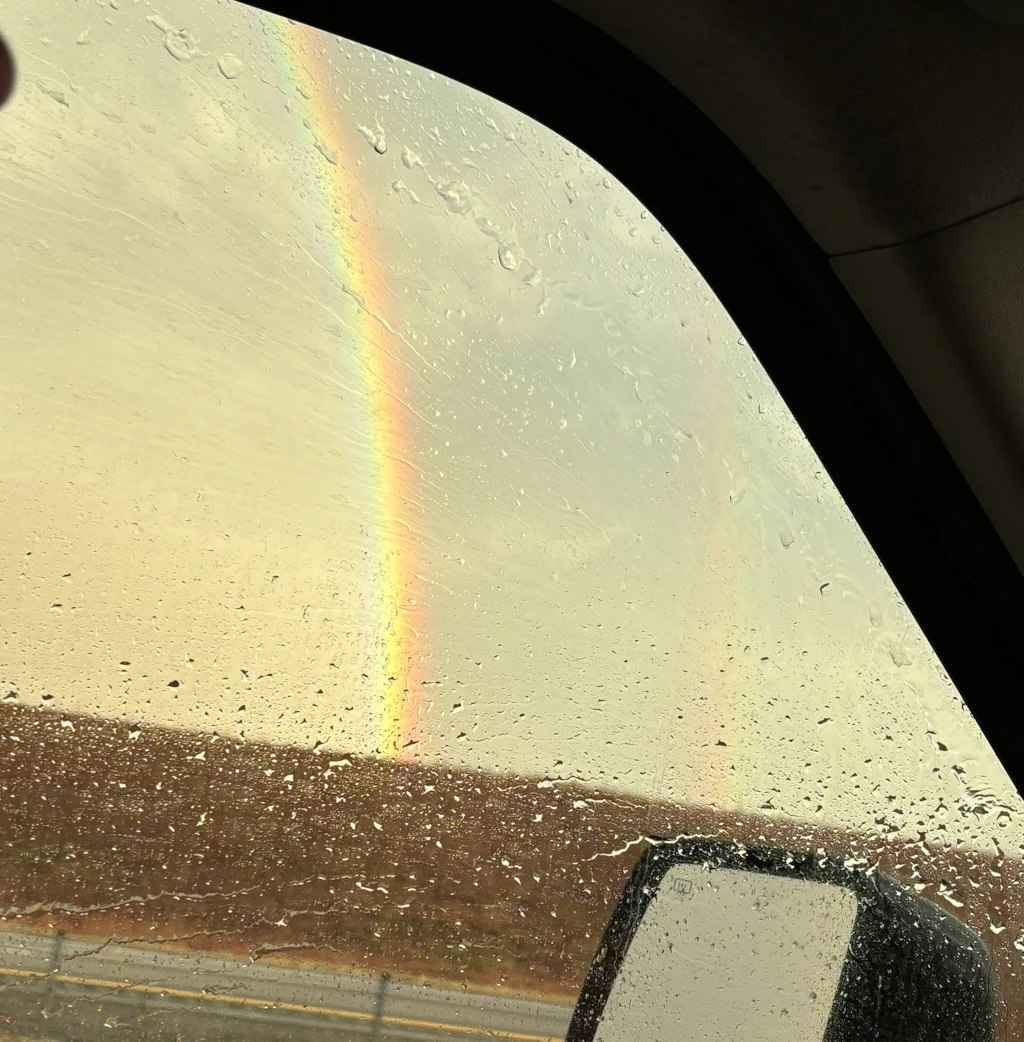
point(77, 990)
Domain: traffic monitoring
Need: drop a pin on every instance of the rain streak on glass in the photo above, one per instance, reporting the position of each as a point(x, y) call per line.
point(397, 531)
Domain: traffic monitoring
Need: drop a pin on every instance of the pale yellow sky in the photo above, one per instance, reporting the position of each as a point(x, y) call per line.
point(625, 552)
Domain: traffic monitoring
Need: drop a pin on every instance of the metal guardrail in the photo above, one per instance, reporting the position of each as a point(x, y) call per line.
point(60, 988)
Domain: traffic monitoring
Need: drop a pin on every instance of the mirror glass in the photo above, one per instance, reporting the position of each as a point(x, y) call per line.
point(735, 956)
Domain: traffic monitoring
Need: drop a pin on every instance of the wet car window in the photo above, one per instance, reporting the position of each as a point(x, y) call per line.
point(396, 532)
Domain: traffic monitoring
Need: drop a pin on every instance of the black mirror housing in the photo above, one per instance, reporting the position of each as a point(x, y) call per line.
point(912, 971)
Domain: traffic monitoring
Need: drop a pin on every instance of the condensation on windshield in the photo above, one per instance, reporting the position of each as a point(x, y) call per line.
point(397, 531)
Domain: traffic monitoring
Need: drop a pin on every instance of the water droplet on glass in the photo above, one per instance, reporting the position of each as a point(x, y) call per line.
point(327, 153)
point(898, 654)
point(376, 139)
point(456, 196)
point(179, 43)
point(230, 66)
point(56, 93)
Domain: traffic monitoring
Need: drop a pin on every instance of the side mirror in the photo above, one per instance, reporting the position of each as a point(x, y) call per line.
point(713, 941)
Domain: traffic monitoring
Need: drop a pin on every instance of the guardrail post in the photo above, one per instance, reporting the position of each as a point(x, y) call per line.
point(56, 958)
point(57, 955)
point(378, 1007)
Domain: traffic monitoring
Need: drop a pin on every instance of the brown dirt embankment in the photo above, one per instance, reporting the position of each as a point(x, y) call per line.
point(185, 840)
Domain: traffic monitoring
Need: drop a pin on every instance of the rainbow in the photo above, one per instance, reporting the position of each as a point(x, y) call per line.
point(304, 56)
point(301, 52)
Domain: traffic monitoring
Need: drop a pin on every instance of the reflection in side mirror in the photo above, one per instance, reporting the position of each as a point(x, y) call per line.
point(715, 942)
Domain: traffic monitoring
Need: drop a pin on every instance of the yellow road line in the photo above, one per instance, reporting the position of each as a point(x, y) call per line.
point(291, 1007)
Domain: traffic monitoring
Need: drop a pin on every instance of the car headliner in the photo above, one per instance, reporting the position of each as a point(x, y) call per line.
point(892, 130)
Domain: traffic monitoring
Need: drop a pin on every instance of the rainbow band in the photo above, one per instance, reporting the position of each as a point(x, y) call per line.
point(301, 52)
